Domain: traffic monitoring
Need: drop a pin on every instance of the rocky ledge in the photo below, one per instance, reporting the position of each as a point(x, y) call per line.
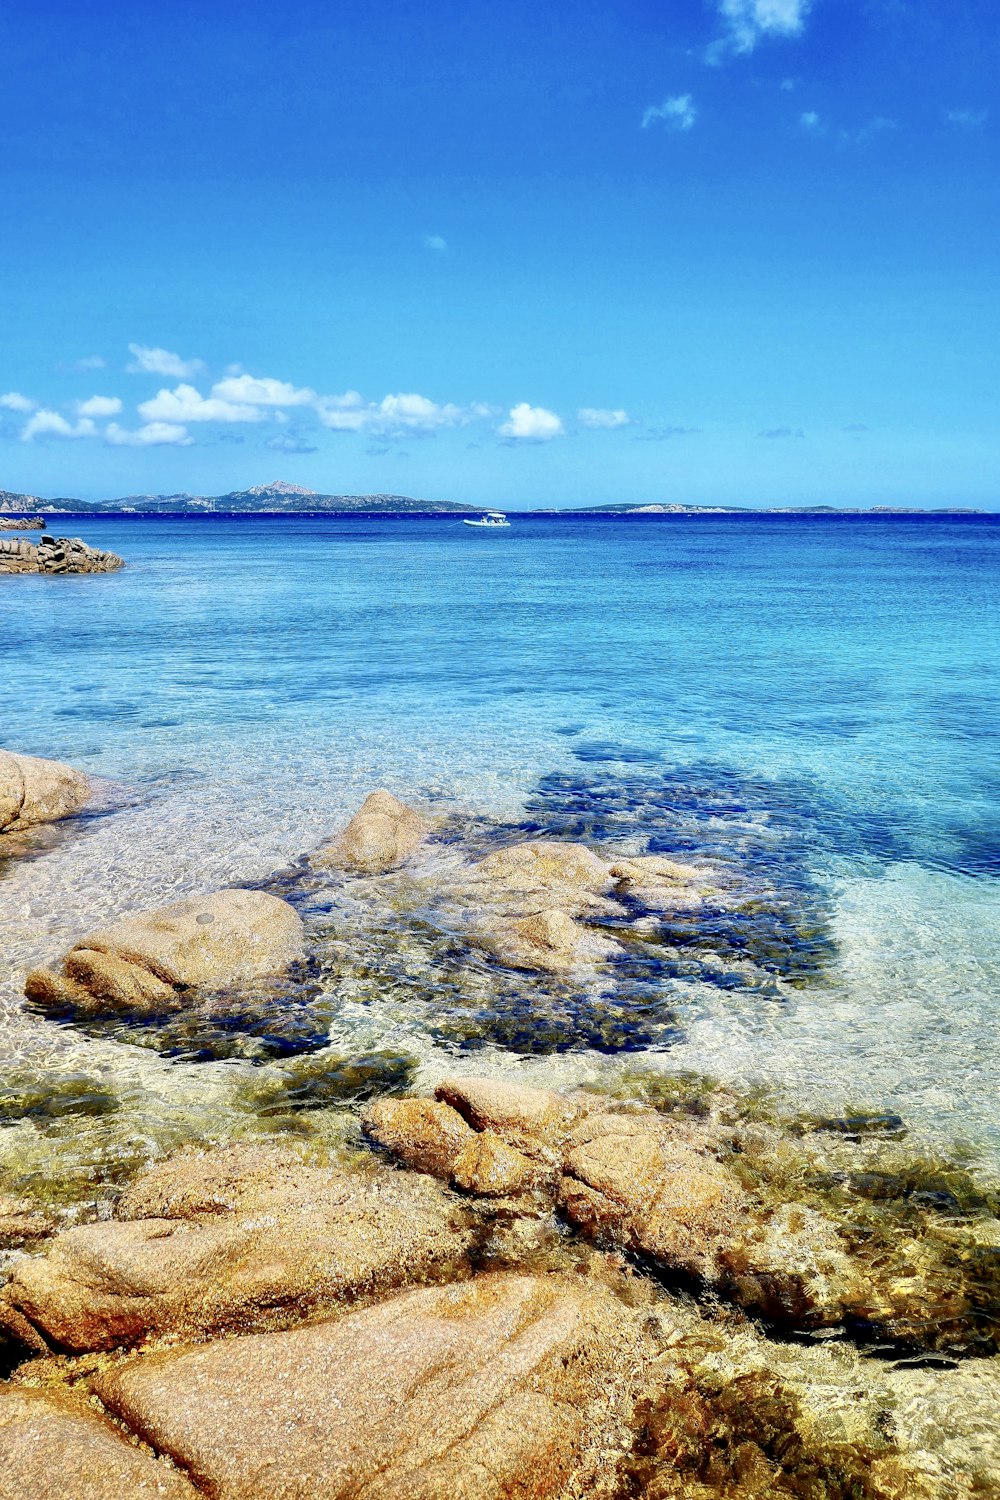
point(22, 523)
point(36, 791)
point(55, 554)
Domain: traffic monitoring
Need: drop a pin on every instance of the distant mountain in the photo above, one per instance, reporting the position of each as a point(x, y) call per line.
point(264, 499)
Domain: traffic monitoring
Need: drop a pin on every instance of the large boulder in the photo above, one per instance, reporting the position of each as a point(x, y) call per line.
point(498, 1388)
point(381, 835)
point(49, 1438)
point(238, 1239)
point(37, 791)
point(150, 964)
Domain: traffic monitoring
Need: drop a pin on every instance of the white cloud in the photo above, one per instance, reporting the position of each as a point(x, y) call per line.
point(968, 119)
point(185, 404)
point(809, 119)
point(46, 423)
point(531, 423)
point(677, 112)
point(14, 401)
point(147, 361)
point(263, 391)
point(99, 406)
point(153, 435)
point(398, 413)
point(435, 242)
point(596, 416)
point(747, 21)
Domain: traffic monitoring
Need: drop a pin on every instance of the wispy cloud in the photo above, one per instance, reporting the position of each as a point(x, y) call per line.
point(781, 432)
point(152, 435)
point(48, 423)
point(99, 406)
point(599, 417)
point(435, 242)
point(185, 404)
point(663, 434)
point(532, 424)
point(88, 363)
point(252, 390)
point(748, 21)
point(406, 412)
point(14, 401)
point(286, 442)
point(150, 361)
point(677, 113)
point(967, 119)
point(809, 119)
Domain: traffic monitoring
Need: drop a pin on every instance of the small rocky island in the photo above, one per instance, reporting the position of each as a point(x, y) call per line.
point(55, 554)
point(22, 523)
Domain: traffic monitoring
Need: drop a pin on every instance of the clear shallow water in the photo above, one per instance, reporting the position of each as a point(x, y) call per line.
point(821, 696)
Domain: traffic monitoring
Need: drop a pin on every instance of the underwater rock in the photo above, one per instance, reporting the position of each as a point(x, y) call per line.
point(148, 964)
point(497, 1387)
point(239, 1239)
point(55, 554)
point(550, 940)
point(532, 876)
point(381, 835)
point(38, 791)
point(659, 884)
point(49, 1439)
point(21, 1223)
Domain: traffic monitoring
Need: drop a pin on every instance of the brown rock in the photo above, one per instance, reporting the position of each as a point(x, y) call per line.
point(500, 1388)
point(21, 1222)
point(489, 1167)
point(551, 940)
point(50, 1441)
point(380, 836)
point(424, 1134)
point(792, 1267)
point(37, 791)
point(540, 873)
point(145, 963)
point(638, 1186)
point(658, 882)
point(526, 1117)
point(244, 1239)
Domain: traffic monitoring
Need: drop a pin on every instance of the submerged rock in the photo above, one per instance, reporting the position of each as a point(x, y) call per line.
point(150, 963)
point(21, 1223)
point(38, 791)
point(552, 941)
point(51, 1439)
point(540, 874)
point(234, 1240)
point(55, 554)
point(498, 1387)
point(380, 836)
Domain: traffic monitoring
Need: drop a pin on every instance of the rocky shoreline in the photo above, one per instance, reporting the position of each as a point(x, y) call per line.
point(487, 1289)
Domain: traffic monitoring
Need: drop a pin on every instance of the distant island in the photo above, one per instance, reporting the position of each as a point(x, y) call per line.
point(281, 498)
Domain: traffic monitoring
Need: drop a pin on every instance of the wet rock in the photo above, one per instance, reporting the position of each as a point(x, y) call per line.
point(658, 883)
point(498, 1387)
point(21, 1223)
point(234, 1240)
point(380, 836)
point(490, 1168)
point(49, 1439)
point(55, 554)
point(539, 874)
point(38, 791)
point(148, 964)
point(529, 1118)
point(552, 941)
point(426, 1135)
point(792, 1267)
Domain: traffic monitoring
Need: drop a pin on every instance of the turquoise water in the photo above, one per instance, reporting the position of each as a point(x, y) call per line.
point(813, 700)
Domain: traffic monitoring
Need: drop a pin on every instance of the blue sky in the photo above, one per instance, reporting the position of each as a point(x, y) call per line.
point(740, 251)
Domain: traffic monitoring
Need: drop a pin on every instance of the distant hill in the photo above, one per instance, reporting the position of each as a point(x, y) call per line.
point(263, 499)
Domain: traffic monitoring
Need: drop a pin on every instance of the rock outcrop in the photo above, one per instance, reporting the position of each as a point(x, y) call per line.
point(22, 523)
point(540, 875)
point(55, 554)
point(235, 1240)
point(383, 833)
point(51, 1439)
point(37, 791)
point(494, 1388)
point(549, 940)
point(155, 962)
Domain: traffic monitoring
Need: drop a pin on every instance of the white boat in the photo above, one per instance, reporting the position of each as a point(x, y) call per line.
point(490, 518)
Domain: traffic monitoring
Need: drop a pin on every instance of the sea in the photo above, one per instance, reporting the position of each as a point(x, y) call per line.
point(804, 708)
